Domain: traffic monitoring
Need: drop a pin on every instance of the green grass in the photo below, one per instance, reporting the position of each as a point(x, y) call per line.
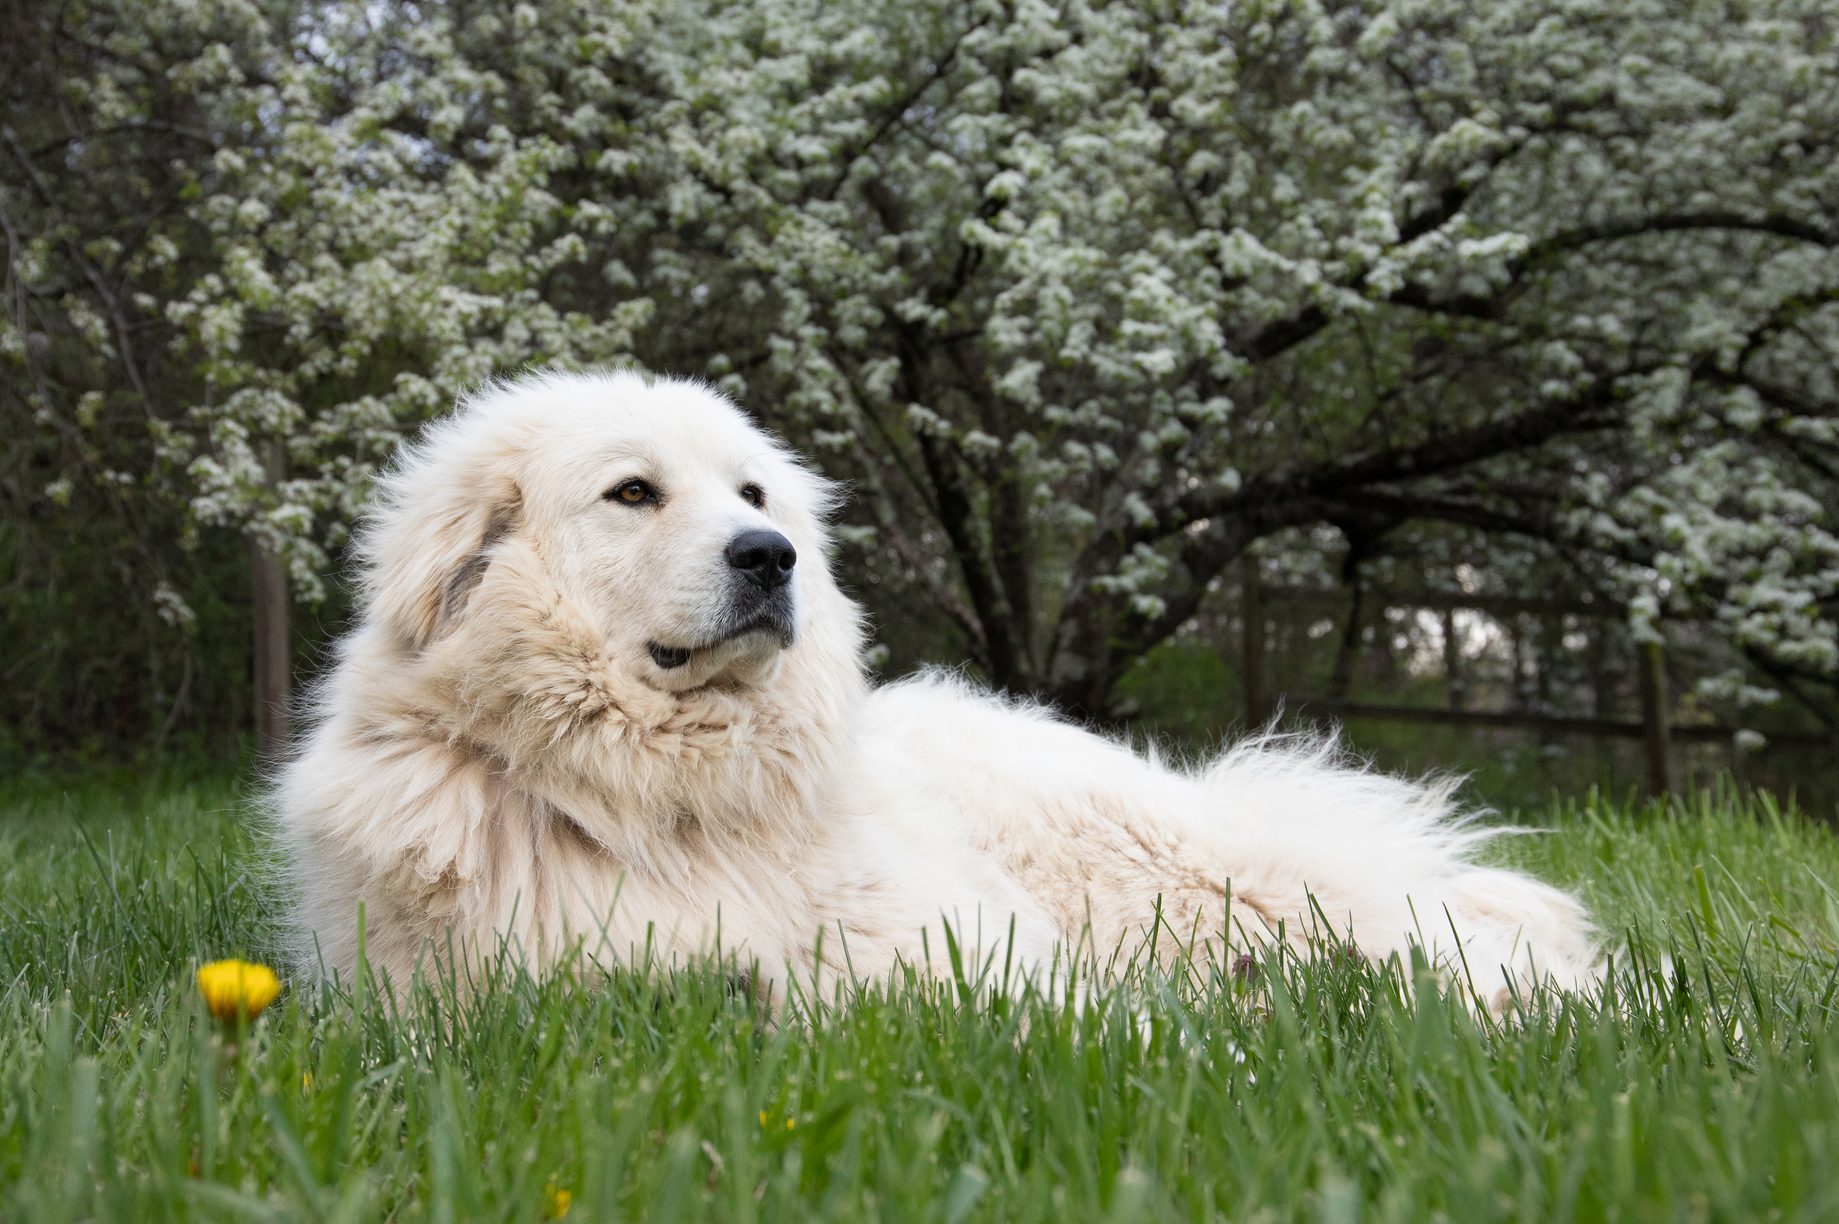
point(1710, 1090)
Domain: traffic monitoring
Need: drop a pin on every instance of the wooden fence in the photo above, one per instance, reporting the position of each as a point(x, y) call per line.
point(1657, 725)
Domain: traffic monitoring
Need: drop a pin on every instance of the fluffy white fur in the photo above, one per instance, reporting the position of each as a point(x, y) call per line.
point(499, 759)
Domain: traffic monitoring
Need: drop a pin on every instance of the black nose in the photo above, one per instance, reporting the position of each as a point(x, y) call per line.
point(766, 558)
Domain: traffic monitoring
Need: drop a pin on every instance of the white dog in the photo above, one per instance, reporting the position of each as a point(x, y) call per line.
point(605, 696)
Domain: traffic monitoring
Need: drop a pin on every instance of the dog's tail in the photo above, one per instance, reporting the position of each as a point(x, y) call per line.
point(1395, 864)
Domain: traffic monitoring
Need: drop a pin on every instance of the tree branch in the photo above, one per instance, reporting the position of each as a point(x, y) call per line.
point(1433, 456)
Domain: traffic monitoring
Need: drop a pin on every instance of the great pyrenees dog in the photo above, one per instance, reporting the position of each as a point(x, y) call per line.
point(604, 702)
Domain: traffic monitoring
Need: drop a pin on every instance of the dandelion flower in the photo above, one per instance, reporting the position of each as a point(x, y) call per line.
point(233, 988)
point(556, 1201)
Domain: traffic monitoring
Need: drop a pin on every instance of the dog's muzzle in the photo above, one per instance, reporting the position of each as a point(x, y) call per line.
point(760, 599)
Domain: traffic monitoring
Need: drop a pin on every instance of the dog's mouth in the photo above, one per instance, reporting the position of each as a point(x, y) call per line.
point(670, 658)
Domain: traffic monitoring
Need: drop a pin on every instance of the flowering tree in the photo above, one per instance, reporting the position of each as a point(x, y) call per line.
point(331, 229)
point(1084, 299)
point(1090, 299)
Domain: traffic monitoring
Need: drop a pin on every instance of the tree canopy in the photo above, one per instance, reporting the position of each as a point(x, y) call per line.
point(1085, 300)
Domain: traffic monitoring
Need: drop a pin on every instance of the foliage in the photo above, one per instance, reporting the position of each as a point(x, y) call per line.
point(1084, 299)
point(1707, 1089)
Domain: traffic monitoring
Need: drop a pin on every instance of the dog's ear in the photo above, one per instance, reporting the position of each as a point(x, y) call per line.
point(428, 547)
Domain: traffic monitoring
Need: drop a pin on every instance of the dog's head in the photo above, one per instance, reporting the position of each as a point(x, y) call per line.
point(689, 539)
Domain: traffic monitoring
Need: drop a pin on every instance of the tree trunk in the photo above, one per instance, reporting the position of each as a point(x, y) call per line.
point(272, 669)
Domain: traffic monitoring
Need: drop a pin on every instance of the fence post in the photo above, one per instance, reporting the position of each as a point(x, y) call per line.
point(272, 663)
point(1452, 660)
point(1657, 731)
point(1252, 644)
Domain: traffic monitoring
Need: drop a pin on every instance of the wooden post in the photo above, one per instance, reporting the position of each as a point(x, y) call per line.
point(1605, 686)
point(1452, 661)
point(1341, 679)
point(1252, 645)
point(1516, 641)
point(272, 665)
point(1657, 731)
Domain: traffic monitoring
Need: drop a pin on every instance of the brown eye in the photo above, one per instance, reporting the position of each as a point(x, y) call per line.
point(632, 493)
point(754, 496)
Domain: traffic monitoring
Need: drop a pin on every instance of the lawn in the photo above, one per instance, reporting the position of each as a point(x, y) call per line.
point(1709, 1089)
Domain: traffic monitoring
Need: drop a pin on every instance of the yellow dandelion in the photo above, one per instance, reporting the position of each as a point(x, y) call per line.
point(790, 1123)
point(555, 1201)
point(233, 988)
point(762, 1119)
